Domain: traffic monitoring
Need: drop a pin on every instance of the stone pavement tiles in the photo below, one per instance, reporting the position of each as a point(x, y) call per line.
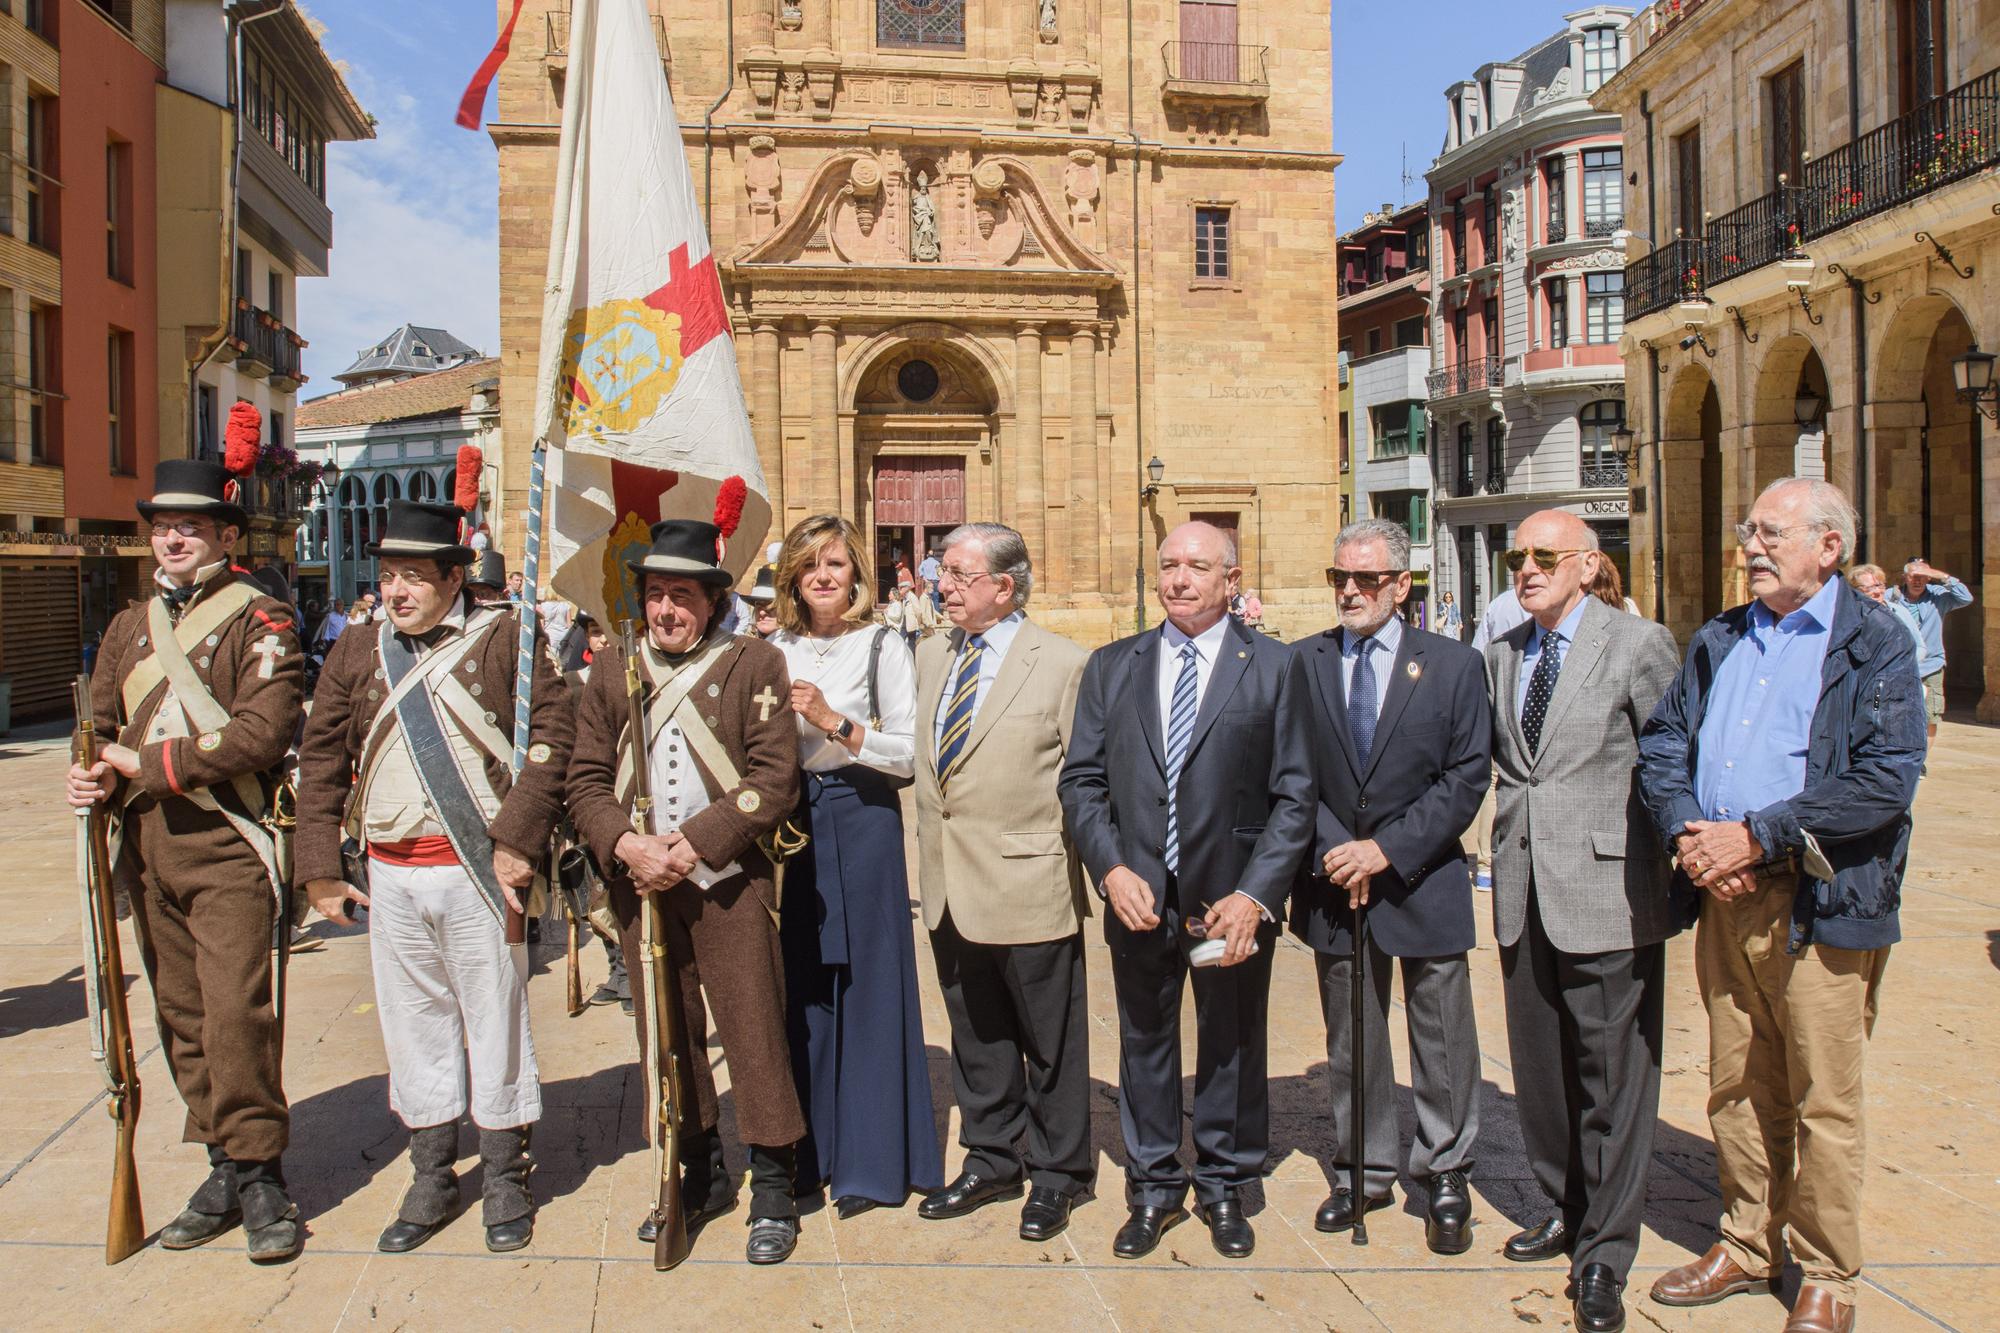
point(1933, 1173)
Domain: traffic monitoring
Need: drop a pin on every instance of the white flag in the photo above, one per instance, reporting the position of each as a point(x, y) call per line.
point(638, 398)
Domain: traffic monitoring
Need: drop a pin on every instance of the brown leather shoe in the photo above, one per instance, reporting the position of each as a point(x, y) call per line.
point(1707, 1280)
point(1818, 1312)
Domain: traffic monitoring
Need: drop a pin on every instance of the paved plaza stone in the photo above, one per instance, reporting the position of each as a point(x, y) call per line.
point(1933, 1192)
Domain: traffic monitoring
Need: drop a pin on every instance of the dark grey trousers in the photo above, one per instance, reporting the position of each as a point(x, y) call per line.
point(1444, 1065)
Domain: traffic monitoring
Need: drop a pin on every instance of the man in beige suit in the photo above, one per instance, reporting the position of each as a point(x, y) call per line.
point(1002, 888)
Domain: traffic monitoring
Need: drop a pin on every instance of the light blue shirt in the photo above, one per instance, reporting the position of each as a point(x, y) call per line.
point(1538, 638)
point(997, 640)
point(1751, 750)
point(1502, 614)
point(1929, 609)
point(1383, 656)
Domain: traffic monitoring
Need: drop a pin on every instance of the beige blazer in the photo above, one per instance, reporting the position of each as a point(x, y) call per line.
point(994, 849)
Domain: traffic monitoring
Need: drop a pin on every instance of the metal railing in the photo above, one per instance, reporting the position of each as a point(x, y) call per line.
point(1947, 139)
point(1467, 376)
point(267, 342)
point(1609, 470)
point(1465, 483)
point(556, 47)
point(1496, 476)
point(1598, 229)
point(1215, 62)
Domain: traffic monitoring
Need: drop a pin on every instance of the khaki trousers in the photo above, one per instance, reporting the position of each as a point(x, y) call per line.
point(1787, 1035)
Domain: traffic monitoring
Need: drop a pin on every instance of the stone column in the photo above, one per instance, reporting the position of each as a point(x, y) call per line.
point(1087, 518)
point(825, 486)
point(766, 412)
point(1030, 504)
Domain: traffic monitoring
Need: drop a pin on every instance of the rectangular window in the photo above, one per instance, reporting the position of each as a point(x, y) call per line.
point(1467, 476)
point(41, 379)
point(119, 375)
point(933, 23)
point(1374, 340)
point(1208, 40)
point(1687, 182)
point(1410, 332)
point(1496, 455)
point(1600, 57)
point(1489, 327)
point(1553, 182)
point(41, 171)
point(1604, 306)
point(1919, 46)
point(1396, 430)
point(208, 436)
point(1785, 97)
point(1409, 508)
point(1489, 227)
point(274, 294)
point(1377, 259)
point(1558, 290)
point(1459, 351)
point(1211, 243)
point(1603, 190)
point(1458, 255)
point(242, 274)
point(1419, 256)
point(118, 211)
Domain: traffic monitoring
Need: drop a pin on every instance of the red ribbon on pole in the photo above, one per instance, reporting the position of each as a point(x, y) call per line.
point(470, 105)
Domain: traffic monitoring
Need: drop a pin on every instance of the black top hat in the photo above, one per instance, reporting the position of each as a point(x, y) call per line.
point(423, 530)
point(193, 486)
point(685, 547)
point(489, 570)
point(765, 591)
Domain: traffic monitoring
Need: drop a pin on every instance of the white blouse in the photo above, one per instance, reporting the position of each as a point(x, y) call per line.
point(840, 668)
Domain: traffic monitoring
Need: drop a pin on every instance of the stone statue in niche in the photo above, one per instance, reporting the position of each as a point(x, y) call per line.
point(790, 17)
point(923, 222)
point(1511, 225)
point(1048, 21)
point(1080, 184)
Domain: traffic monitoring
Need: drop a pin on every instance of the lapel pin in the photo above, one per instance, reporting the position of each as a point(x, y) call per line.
point(1241, 653)
point(1414, 670)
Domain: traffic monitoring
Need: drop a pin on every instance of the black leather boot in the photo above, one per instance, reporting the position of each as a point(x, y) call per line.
point(508, 1206)
point(433, 1193)
point(273, 1232)
point(774, 1213)
point(211, 1210)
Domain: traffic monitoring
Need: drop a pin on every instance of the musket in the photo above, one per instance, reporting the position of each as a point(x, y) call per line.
point(1357, 1135)
point(284, 817)
point(104, 982)
point(662, 1000)
point(566, 908)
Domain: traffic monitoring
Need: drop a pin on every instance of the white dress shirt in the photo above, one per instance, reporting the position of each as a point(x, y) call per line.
point(1388, 640)
point(1207, 647)
point(998, 639)
point(840, 668)
point(679, 795)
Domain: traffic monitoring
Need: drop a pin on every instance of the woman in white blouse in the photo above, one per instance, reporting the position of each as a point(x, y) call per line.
point(850, 959)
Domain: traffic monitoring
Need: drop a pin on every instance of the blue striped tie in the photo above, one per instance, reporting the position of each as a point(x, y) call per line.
point(1180, 731)
point(958, 713)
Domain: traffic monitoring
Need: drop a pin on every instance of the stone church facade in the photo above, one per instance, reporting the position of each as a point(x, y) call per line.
point(987, 259)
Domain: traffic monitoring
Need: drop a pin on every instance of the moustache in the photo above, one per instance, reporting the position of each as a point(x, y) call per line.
point(1762, 564)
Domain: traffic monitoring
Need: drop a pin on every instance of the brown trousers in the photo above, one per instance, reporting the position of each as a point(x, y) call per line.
point(723, 941)
point(203, 906)
point(1787, 1036)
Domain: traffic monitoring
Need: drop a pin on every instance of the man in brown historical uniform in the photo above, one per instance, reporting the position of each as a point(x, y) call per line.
point(201, 685)
point(722, 758)
point(409, 752)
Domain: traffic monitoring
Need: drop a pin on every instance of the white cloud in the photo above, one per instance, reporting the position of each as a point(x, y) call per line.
point(415, 235)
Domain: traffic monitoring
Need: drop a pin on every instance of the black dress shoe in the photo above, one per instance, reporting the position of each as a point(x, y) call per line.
point(400, 1237)
point(1535, 1244)
point(1045, 1215)
point(1448, 1229)
point(1140, 1235)
point(1599, 1303)
point(272, 1230)
point(772, 1239)
point(194, 1227)
point(964, 1195)
point(1228, 1229)
point(513, 1235)
point(852, 1205)
point(1337, 1213)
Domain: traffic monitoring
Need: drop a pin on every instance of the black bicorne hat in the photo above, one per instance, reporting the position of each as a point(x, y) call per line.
point(425, 531)
point(195, 486)
point(687, 548)
point(489, 570)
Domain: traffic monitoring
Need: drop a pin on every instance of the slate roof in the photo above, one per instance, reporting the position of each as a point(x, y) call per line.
point(410, 350)
point(440, 393)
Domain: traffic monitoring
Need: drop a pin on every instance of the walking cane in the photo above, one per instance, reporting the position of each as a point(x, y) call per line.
point(1356, 1132)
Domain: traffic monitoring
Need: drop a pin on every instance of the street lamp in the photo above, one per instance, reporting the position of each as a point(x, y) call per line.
point(1622, 440)
point(1972, 375)
point(329, 478)
point(1155, 469)
point(1807, 407)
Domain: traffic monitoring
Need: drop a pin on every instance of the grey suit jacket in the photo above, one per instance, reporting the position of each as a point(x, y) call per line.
point(1570, 814)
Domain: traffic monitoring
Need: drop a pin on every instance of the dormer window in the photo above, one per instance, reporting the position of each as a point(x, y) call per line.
point(1600, 57)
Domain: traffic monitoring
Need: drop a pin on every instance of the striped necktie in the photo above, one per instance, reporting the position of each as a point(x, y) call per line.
point(1180, 731)
point(958, 713)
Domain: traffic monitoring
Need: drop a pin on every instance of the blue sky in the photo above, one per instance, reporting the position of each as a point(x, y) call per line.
point(414, 210)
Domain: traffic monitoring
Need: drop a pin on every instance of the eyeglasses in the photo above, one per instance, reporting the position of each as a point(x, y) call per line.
point(946, 574)
point(187, 527)
point(1545, 559)
point(1767, 533)
point(1367, 580)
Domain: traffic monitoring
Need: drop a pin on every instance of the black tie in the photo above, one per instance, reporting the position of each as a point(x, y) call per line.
point(1541, 686)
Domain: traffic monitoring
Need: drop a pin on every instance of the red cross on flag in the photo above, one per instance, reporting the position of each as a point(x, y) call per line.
point(639, 399)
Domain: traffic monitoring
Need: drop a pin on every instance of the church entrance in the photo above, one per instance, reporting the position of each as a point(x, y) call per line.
point(918, 499)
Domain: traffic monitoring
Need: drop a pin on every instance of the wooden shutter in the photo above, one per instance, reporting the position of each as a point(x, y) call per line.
point(1687, 183)
point(1208, 41)
point(1788, 139)
point(41, 635)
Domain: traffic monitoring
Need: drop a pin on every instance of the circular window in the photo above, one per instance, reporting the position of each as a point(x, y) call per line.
point(917, 381)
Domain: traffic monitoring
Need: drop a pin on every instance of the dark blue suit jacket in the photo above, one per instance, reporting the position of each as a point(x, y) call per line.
point(1415, 796)
point(1245, 797)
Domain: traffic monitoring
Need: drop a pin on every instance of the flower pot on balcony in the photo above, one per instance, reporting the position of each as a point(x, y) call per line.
point(1694, 312)
point(1800, 266)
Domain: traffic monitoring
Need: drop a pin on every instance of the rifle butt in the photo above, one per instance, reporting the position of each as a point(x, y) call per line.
point(125, 1228)
point(574, 965)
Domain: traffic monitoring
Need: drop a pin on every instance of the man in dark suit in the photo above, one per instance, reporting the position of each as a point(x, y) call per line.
point(1188, 791)
point(1400, 731)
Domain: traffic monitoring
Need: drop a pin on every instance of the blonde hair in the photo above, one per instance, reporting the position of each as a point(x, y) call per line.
point(1854, 574)
point(808, 538)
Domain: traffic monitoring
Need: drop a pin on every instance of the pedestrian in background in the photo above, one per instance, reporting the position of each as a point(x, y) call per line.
point(1930, 594)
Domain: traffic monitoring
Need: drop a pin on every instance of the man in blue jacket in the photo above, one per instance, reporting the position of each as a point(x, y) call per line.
point(1780, 768)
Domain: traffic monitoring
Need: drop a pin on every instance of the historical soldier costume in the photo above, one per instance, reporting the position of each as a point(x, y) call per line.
point(407, 752)
point(202, 681)
point(722, 758)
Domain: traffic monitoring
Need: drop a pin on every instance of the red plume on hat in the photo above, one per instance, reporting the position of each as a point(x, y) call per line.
point(465, 486)
point(729, 510)
point(242, 438)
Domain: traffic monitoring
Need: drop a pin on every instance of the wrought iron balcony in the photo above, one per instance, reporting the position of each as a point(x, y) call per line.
point(1947, 139)
point(1212, 69)
point(265, 348)
point(1609, 470)
point(1496, 476)
point(1598, 229)
point(1467, 376)
point(555, 52)
point(1465, 484)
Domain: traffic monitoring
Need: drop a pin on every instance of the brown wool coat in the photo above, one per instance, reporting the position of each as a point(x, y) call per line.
point(344, 708)
point(264, 711)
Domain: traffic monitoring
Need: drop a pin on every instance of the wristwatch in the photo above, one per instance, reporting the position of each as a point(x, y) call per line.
point(843, 731)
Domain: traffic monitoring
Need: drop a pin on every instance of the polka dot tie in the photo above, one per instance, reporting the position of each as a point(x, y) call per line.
point(1541, 687)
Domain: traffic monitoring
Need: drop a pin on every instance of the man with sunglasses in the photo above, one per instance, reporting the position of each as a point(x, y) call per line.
point(1580, 906)
point(1781, 766)
point(1399, 727)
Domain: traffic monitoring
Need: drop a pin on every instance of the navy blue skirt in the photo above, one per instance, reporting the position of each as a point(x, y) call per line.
point(851, 1007)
